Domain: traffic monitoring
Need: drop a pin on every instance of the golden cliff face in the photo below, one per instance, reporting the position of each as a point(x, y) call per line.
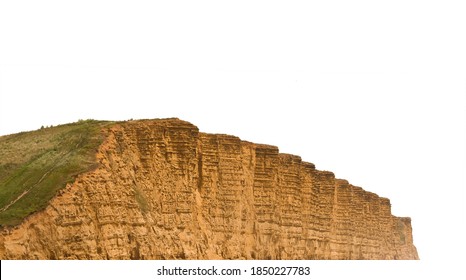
point(163, 190)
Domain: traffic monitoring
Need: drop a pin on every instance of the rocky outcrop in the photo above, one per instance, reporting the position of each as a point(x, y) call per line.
point(163, 190)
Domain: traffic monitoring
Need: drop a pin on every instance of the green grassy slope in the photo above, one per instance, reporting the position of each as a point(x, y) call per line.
point(35, 165)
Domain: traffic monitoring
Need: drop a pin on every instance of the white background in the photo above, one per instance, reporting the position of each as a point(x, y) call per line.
point(374, 91)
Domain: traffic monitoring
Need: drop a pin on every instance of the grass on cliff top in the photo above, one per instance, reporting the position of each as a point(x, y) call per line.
point(35, 165)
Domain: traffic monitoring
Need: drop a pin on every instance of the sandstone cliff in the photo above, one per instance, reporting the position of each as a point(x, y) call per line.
point(163, 190)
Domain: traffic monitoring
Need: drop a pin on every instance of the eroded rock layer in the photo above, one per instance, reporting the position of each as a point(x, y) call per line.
point(163, 190)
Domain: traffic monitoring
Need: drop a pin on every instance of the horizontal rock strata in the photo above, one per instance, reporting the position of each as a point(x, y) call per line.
point(163, 190)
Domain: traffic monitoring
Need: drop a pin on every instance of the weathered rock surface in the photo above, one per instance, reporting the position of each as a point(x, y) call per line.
point(163, 190)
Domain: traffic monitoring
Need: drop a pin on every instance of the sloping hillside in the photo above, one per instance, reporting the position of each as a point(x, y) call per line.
point(35, 165)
